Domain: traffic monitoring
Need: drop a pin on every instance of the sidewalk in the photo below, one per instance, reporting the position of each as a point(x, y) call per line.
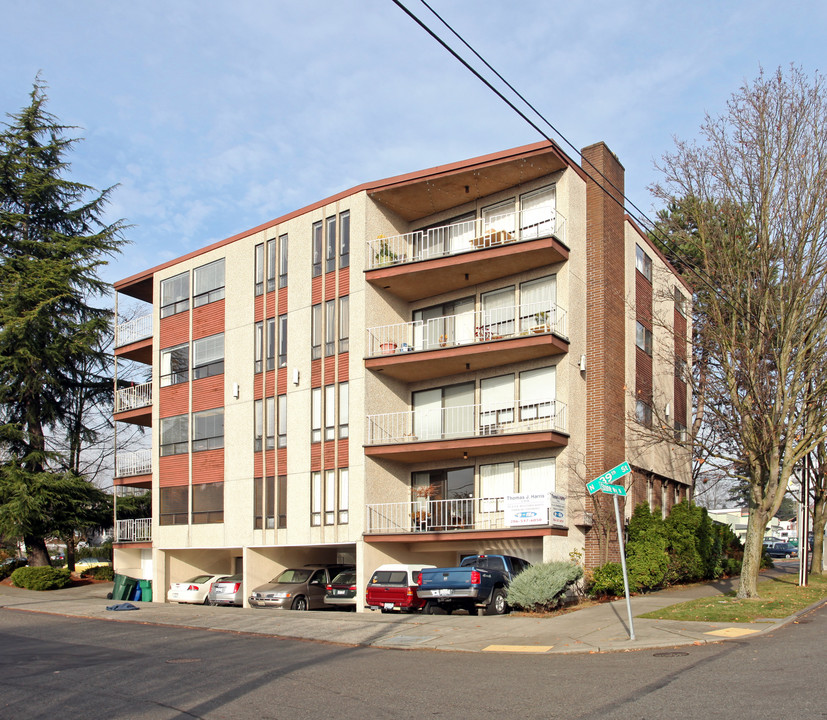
point(601, 628)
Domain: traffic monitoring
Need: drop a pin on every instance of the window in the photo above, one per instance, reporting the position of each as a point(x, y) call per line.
point(317, 249)
point(316, 414)
point(496, 481)
point(538, 476)
point(538, 390)
point(316, 332)
point(344, 239)
point(208, 430)
point(175, 365)
point(680, 431)
point(344, 324)
point(537, 213)
point(680, 302)
point(282, 421)
point(329, 497)
point(271, 265)
point(175, 294)
point(445, 412)
point(497, 314)
point(283, 261)
point(258, 350)
point(174, 435)
point(643, 413)
point(258, 503)
point(344, 495)
point(282, 341)
point(663, 497)
point(259, 269)
point(173, 503)
point(680, 369)
point(344, 410)
point(496, 403)
point(281, 518)
point(329, 412)
point(538, 305)
point(264, 501)
point(271, 343)
point(315, 498)
point(269, 423)
point(258, 424)
point(209, 283)
point(330, 244)
point(451, 323)
point(643, 263)
point(208, 356)
point(330, 328)
point(208, 503)
point(498, 222)
point(643, 338)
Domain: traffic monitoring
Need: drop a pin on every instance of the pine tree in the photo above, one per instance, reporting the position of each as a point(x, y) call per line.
point(53, 241)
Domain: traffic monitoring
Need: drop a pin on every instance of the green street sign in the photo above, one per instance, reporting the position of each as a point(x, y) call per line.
point(614, 490)
point(608, 477)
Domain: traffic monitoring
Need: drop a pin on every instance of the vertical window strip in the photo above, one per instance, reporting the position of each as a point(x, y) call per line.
point(315, 498)
point(344, 495)
point(329, 497)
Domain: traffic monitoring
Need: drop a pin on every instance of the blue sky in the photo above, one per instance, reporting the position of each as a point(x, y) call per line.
point(213, 117)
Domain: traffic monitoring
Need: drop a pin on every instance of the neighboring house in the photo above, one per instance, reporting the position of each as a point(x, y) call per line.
point(737, 519)
point(416, 369)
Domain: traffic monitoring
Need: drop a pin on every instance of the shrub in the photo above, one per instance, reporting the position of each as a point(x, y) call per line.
point(103, 572)
point(541, 587)
point(606, 580)
point(10, 565)
point(646, 557)
point(686, 561)
point(41, 578)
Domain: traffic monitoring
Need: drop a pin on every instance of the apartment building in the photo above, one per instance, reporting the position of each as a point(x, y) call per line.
point(416, 369)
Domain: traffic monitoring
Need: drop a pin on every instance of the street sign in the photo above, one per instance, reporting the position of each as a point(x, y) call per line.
point(607, 478)
point(614, 490)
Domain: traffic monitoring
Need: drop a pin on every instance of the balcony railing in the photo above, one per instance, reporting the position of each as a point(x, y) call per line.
point(133, 330)
point(466, 421)
point(465, 236)
point(467, 328)
point(470, 513)
point(139, 530)
point(133, 463)
point(133, 397)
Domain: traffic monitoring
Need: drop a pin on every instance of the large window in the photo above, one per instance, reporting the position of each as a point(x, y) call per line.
point(538, 305)
point(271, 265)
point(258, 350)
point(330, 244)
point(496, 403)
point(643, 337)
point(282, 341)
point(329, 497)
point(443, 412)
point(258, 424)
point(209, 283)
point(316, 331)
point(282, 421)
point(329, 412)
point(497, 314)
point(643, 263)
point(680, 302)
point(317, 249)
point(208, 430)
point(344, 410)
point(344, 239)
point(174, 503)
point(315, 498)
point(208, 356)
point(344, 495)
point(175, 294)
point(496, 481)
point(283, 261)
point(538, 476)
point(270, 423)
point(259, 269)
point(281, 502)
point(344, 324)
point(264, 499)
point(271, 343)
point(174, 435)
point(538, 390)
point(316, 414)
point(330, 328)
point(537, 213)
point(175, 365)
point(208, 503)
point(643, 413)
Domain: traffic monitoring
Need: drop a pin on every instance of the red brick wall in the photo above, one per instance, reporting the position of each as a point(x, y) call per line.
point(208, 393)
point(208, 320)
point(173, 470)
point(208, 466)
point(174, 400)
point(174, 330)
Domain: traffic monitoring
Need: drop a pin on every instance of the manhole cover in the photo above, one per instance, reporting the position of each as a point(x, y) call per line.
point(178, 661)
point(670, 654)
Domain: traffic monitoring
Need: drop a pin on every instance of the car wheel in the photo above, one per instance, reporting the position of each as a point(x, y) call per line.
point(300, 603)
point(497, 606)
point(207, 600)
point(429, 608)
point(788, 556)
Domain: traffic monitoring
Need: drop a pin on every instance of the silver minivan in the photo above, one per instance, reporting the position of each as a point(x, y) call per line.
point(300, 588)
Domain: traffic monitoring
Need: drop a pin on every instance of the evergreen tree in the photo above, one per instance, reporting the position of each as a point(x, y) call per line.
point(53, 241)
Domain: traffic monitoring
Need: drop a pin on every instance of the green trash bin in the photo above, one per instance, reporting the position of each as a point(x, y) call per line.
point(146, 590)
point(124, 587)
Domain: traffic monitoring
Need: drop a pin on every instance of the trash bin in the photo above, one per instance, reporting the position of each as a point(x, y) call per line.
point(124, 587)
point(146, 590)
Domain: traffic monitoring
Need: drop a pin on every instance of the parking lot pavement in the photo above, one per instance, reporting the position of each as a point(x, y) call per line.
point(600, 628)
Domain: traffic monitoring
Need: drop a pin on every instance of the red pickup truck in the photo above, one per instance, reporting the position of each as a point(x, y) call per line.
point(393, 587)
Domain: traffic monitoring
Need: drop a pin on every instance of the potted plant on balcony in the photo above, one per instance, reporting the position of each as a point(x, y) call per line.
point(385, 255)
point(541, 320)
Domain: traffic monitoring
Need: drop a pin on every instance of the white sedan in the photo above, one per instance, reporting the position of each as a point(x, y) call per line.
point(195, 590)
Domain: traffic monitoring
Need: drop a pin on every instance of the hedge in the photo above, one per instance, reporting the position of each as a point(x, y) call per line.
point(41, 578)
point(541, 587)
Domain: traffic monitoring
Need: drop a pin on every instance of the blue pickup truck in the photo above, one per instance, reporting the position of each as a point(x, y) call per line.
point(480, 581)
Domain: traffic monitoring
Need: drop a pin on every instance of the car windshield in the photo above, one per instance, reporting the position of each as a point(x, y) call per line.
point(293, 576)
point(389, 577)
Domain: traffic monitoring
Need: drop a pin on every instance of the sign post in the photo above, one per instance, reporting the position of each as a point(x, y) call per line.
point(604, 484)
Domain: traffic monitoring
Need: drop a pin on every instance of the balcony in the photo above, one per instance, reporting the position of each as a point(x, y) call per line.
point(461, 514)
point(133, 339)
point(132, 465)
point(138, 530)
point(424, 263)
point(426, 349)
point(133, 404)
point(466, 431)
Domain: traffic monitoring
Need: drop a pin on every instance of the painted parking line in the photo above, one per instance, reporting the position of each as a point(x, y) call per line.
point(731, 632)
point(518, 648)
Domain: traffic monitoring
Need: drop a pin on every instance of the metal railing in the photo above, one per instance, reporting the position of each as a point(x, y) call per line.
point(133, 463)
point(133, 330)
point(465, 236)
point(466, 421)
point(133, 397)
point(429, 515)
point(467, 328)
point(138, 530)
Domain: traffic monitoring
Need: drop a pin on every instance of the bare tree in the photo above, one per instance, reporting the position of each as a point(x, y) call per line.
point(754, 190)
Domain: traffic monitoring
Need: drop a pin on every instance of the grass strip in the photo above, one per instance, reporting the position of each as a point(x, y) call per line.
point(779, 598)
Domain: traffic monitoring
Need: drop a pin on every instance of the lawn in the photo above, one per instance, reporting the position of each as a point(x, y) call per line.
point(779, 597)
